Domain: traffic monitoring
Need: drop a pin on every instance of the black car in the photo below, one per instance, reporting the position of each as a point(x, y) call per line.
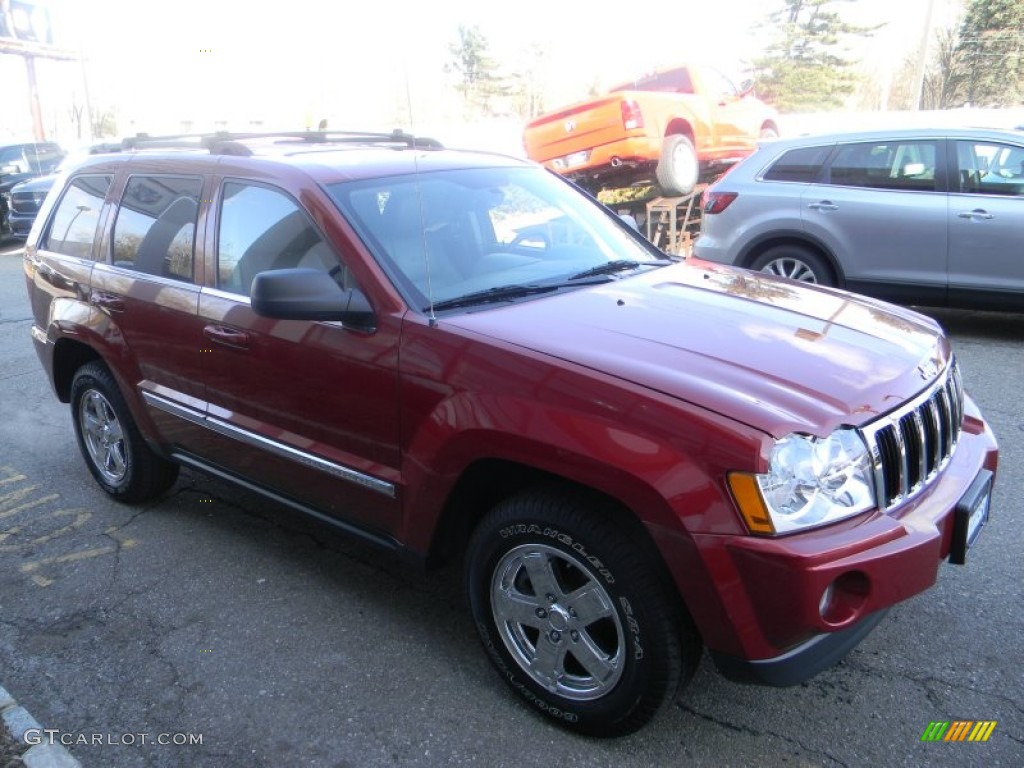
point(23, 201)
point(20, 162)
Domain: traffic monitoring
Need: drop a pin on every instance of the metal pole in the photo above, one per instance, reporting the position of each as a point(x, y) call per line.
point(38, 130)
point(85, 87)
point(922, 57)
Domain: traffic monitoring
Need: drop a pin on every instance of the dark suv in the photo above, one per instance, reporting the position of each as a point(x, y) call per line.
point(20, 162)
point(459, 356)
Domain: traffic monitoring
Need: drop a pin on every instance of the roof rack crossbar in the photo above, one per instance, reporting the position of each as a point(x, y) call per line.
point(226, 142)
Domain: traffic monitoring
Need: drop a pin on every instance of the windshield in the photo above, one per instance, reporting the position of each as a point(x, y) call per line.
point(447, 234)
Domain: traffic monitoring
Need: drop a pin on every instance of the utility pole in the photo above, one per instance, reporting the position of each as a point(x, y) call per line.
point(25, 32)
point(922, 56)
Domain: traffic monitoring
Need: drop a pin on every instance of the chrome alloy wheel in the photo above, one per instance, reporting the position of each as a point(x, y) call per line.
point(794, 269)
point(104, 438)
point(558, 622)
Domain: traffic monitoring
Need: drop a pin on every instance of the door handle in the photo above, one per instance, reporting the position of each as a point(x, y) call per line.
point(108, 301)
point(977, 213)
point(229, 337)
point(824, 205)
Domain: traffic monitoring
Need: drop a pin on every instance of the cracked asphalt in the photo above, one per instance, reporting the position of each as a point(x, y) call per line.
point(218, 615)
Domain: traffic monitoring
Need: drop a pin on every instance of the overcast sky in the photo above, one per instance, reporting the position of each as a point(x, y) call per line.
point(364, 65)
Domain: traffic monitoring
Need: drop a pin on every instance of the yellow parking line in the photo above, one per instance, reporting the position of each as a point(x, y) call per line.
point(82, 516)
point(74, 556)
point(20, 494)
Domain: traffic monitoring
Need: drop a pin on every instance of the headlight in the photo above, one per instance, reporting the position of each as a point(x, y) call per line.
point(810, 481)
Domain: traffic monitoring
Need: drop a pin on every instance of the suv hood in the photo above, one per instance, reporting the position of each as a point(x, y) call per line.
point(774, 354)
point(39, 184)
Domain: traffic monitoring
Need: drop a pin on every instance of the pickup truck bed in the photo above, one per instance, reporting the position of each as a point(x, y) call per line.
point(671, 128)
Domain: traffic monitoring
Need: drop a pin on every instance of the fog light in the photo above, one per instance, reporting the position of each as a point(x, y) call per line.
point(843, 600)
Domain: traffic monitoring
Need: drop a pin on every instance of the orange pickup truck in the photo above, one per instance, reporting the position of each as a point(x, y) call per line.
point(673, 127)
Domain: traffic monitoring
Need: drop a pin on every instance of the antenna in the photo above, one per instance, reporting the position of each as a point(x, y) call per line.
point(419, 200)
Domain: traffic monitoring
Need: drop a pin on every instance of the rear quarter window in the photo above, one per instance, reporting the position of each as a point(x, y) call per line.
point(802, 164)
point(72, 229)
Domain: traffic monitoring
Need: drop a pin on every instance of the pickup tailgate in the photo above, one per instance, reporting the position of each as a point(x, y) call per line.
point(569, 134)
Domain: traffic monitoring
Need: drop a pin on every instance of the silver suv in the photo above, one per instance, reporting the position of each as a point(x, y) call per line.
point(925, 216)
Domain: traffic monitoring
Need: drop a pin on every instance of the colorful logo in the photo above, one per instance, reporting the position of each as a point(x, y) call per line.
point(959, 730)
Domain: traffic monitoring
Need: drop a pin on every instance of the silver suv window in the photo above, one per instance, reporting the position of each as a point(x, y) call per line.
point(989, 168)
point(803, 165)
point(906, 165)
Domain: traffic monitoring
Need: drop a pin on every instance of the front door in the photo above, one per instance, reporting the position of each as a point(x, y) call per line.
point(309, 409)
point(986, 226)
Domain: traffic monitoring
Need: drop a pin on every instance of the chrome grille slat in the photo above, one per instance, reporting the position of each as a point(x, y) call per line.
point(909, 446)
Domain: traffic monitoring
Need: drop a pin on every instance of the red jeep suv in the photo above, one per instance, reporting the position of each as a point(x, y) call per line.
point(458, 355)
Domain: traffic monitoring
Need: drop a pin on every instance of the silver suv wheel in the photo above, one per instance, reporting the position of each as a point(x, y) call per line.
point(795, 262)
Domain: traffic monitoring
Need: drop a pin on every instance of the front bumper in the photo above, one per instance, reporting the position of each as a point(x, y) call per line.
point(20, 224)
point(787, 607)
point(802, 662)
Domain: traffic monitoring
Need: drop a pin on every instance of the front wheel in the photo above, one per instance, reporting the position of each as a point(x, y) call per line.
point(795, 262)
point(574, 615)
point(113, 448)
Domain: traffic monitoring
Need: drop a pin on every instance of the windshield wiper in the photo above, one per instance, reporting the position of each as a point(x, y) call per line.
point(618, 265)
point(498, 293)
point(505, 292)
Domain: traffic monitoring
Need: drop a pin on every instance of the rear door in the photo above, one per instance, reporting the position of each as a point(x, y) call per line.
point(986, 225)
point(146, 283)
point(881, 209)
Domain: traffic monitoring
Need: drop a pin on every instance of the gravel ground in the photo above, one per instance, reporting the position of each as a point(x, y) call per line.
point(10, 750)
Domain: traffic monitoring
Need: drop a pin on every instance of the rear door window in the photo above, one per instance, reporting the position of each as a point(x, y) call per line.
point(155, 229)
point(897, 165)
point(72, 229)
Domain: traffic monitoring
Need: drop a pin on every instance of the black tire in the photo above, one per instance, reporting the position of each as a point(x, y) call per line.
point(795, 262)
point(614, 643)
point(678, 168)
point(114, 449)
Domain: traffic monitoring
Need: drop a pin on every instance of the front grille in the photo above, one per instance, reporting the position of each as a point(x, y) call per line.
point(912, 444)
point(25, 202)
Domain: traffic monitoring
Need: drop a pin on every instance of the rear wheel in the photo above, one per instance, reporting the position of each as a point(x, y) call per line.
point(574, 615)
point(114, 449)
point(678, 168)
point(796, 263)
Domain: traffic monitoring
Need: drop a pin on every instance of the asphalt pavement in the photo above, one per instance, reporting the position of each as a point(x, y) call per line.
point(214, 628)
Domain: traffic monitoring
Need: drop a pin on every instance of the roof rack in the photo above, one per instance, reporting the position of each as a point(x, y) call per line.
point(228, 143)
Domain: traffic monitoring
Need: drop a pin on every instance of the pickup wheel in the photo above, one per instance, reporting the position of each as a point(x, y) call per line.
point(114, 449)
point(795, 262)
point(573, 613)
point(678, 169)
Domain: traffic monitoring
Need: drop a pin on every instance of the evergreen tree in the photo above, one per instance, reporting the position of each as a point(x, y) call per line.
point(476, 69)
point(804, 69)
point(990, 54)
